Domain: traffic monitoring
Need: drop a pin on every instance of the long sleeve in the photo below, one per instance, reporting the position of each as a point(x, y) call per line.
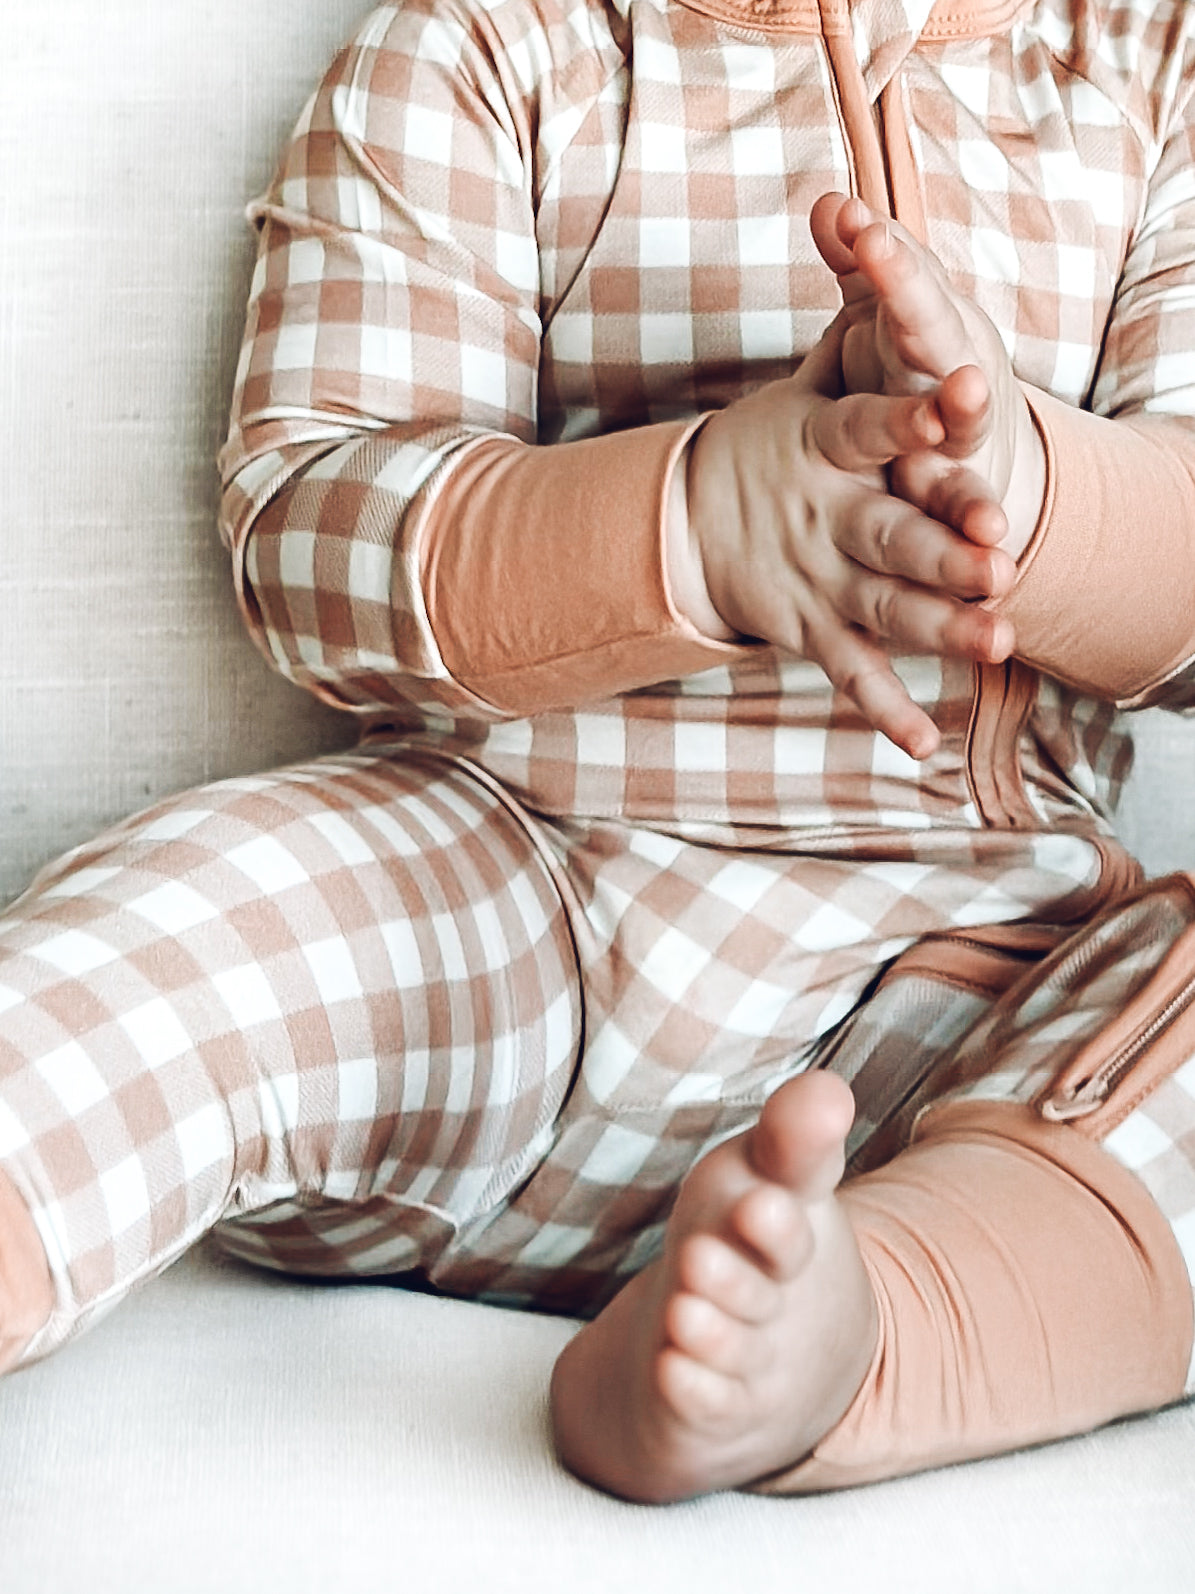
point(516, 250)
point(1106, 598)
point(385, 421)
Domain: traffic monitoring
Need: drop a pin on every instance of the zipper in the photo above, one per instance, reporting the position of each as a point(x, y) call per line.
point(1089, 1084)
point(1084, 1097)
point(855, 117)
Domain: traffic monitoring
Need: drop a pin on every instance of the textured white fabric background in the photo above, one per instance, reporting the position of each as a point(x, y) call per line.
point(131, 135)
point(235, 1433)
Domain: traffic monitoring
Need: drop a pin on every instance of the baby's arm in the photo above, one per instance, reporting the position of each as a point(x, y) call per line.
point(778, 527)
point(402, 535)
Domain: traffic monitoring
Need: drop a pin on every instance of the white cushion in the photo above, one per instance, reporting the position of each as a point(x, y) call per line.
point(230, 1431)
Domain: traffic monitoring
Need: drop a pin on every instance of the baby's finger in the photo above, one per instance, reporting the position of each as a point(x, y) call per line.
point(913, 619)
point(866, 430)
point(859, 668)
point(892, 537)
point(922, 313)
point(862, 368)
point(964, 405)
point(829, 216)
point(953, 495)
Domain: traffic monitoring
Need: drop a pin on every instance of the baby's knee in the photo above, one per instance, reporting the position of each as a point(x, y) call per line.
point(26, 1287)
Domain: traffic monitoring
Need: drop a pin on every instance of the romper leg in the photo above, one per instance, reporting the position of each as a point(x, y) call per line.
point(334, 1009)
point(1027, 1288)
point(1032, 1247)
point(1013, 1277)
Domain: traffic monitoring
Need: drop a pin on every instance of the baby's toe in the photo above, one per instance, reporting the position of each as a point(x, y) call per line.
point(708, 1335)
point(711, 1268)
point(697, 1396)
point(773, 1223)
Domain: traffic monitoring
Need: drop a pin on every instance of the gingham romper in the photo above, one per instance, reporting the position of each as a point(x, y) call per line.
point(471, 1000)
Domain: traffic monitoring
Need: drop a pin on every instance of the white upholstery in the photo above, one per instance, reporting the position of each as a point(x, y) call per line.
point(131, 136)
point(237, 1432)
point(255, 1436)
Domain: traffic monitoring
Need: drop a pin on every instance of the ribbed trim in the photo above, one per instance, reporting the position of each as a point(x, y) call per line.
point(950, 19)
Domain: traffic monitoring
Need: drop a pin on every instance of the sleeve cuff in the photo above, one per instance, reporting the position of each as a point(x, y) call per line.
point(1105, 595)
point(545, 570)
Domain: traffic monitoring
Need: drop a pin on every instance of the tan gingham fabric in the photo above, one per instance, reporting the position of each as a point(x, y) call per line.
point(343, 997)
point(558, 220)
point(368, 1016)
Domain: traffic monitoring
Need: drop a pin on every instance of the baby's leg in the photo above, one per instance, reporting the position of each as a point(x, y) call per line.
point(1028, 1287)
point(333, 1008)
point(1025, 1257)
point(732, 1355)
point(1000, 1283)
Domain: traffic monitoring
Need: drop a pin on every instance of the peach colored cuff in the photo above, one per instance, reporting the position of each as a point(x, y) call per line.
point(1105, 599)
point(1028, 1288)
point(544, 570)
point(26, 1289)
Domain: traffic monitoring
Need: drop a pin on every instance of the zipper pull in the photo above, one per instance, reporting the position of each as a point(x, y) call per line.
point(1077, 1100)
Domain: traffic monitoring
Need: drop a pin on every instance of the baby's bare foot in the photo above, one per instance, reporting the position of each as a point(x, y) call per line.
point(736, 1352)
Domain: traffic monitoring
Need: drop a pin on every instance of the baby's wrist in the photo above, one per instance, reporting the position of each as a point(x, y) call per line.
point(684, 566)
point(1025, 499)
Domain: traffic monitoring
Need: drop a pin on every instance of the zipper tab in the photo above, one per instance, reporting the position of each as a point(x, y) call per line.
point(1077, 1101)
point(1086, 1095)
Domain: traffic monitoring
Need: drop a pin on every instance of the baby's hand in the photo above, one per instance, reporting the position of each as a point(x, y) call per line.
point(799, 541)
point(911, 332)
